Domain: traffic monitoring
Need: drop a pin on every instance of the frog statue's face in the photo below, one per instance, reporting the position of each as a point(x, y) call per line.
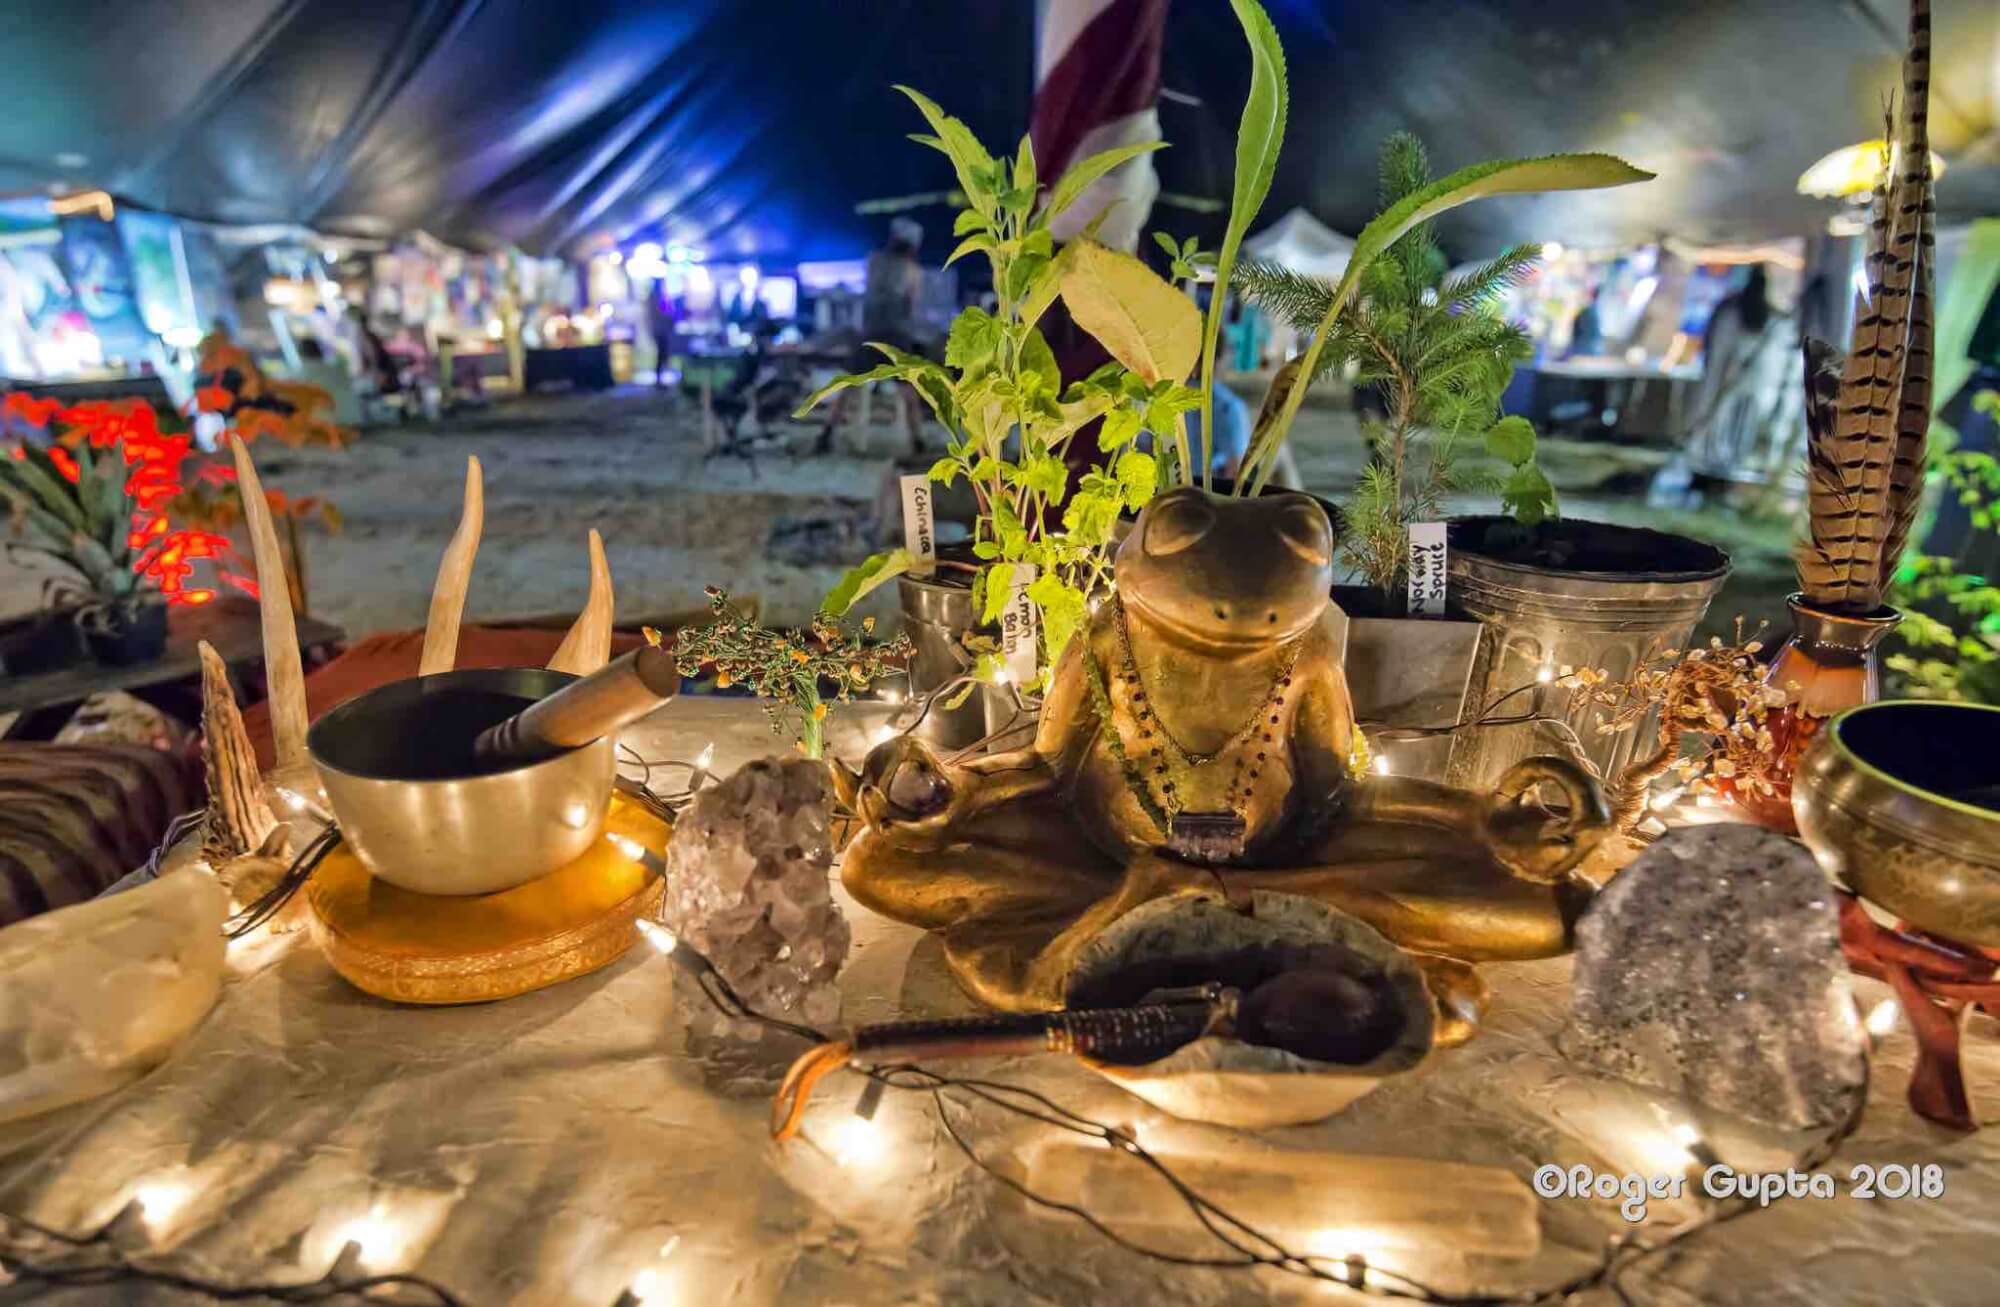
point(1215, 571)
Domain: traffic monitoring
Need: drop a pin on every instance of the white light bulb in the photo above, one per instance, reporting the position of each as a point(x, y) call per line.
point(706, 758)
point(858, 1143)
point(1545, 674)
point(379, 1239)
point(1552, 249)
point(1381, 764)
point(658, 936)
point(1882, 1018)
point(160, 1199)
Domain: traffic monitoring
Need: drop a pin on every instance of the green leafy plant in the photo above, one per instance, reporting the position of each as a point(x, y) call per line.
point(793, 671)
point(72, 506)
point(1000, 398)
point(1442, 356)
point(1951, 619)
point(999, 378)
point(1556, 172)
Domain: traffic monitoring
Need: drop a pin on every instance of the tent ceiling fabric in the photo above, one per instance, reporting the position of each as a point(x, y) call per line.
point(755, 128)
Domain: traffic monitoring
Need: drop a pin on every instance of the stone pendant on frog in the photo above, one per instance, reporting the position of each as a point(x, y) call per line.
point(1199, 738)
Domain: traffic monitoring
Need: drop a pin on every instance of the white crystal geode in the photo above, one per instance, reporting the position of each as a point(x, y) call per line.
point(748, 887)
point(94, 995)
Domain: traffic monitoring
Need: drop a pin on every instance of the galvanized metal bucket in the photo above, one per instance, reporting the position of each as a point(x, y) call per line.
point(1408, 677)
point(937, 613)
point(1539, 620)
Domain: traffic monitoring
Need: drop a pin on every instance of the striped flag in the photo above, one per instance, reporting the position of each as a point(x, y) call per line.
point(1097, 86)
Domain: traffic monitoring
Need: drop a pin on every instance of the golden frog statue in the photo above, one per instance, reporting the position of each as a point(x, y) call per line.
point(1200, 738)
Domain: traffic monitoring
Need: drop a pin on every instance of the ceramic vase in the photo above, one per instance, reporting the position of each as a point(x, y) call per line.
point(1829, 664)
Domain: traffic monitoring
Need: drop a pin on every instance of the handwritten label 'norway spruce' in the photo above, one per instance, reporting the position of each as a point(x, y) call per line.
point(1427, 568)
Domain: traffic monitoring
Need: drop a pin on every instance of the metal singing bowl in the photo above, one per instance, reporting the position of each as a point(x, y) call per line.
point(463, 834)
point(1901, 801)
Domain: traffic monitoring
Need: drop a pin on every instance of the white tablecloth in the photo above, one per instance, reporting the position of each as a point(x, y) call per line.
point(553, 1148)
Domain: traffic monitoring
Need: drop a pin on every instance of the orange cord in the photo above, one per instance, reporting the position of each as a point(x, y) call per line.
point(788, 1106)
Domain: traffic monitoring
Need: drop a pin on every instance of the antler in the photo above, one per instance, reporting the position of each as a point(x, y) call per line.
point(283, 671)
point(454, 579)
point(587, 647)
point(239, 821)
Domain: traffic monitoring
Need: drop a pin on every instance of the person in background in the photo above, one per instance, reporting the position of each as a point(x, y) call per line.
point(378, 366)
point(1749, 375)
point(1586, 332)
point(331, 376)
point(663, 322)
point(889, 314)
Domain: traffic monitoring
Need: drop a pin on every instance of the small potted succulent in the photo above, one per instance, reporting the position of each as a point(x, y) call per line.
point(74, 508)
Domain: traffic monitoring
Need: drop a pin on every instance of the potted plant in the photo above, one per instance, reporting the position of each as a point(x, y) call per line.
point(1388, 309)
point(74, 508)
point(1011, 420)
point(1441, 355)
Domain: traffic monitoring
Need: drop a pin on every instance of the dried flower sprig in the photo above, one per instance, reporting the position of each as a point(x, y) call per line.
point(793, 671)
point(1712, 703)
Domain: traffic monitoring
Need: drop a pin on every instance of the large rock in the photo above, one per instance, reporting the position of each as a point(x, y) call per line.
point(747, 886)
point(1711, 968)
point(97, 994)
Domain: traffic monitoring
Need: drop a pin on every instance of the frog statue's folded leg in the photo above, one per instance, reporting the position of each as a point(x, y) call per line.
point(994, 856)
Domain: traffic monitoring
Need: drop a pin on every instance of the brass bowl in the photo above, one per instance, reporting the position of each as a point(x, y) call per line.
point(381, 756)
point(1901, 802)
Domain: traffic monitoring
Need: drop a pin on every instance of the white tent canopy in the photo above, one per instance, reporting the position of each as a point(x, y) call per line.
point(1304, 244)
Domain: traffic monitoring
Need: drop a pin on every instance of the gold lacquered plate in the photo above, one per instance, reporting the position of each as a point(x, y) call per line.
point(426, 948)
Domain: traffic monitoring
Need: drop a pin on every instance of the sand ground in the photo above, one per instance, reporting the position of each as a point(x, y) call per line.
point(780, 527)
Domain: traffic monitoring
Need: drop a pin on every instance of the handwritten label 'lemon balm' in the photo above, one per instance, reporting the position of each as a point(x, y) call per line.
point(1018, 627)
point(919, 523)
point(1427, 568)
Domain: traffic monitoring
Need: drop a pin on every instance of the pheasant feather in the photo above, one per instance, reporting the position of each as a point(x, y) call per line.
point(1865, 464)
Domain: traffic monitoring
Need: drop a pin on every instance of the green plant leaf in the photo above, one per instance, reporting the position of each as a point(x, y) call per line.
point(1037, 359)
point(1138, 477)
point(975, 336)
point(969, 159)
point(1121, 427)
point(863, 577)
point(1528, 495)
point(1555, 172)
point(1146, 324)
point(1512, 440)
point(1046, 285)
point(998, 578)
point(1166, 243)
point(1024, 166)
point(1260, 134)
point(980, 241)
point(1063, 612)
point(945, 471)
point(970, 221)
point(1071, 185)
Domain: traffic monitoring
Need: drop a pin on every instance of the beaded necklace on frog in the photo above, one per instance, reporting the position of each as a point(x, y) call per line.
point(1171, 764)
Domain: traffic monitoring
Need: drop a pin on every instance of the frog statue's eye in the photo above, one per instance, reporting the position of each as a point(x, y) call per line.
point(1306, 531)
point(1175, 522)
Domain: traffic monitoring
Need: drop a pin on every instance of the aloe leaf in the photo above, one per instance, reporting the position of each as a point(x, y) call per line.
point(1071, 185)
point(50, 492)
point(1259, 136)
point(869, 574)
point(1555, 172)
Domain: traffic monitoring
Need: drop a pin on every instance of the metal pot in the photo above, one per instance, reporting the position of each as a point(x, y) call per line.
point(465, 833)
point(1407, 676)
point(1901, 802)
point(937, 613)
point(1648, 597)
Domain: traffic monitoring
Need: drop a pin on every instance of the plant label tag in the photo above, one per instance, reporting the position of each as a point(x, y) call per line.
point(1019, 645)
point(919, 523)
point(1427, 568)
